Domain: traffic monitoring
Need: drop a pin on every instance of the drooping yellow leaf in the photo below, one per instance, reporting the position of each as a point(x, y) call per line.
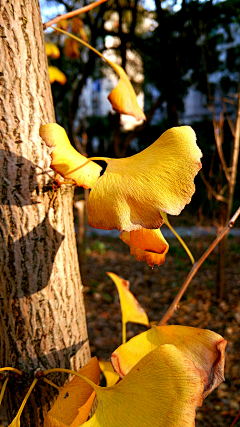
point(162, 390)
point(110, 375)
point(122, 97)
point(55, 75)
point(66, 160)
point(154, 240)
point(132, 191)
point(52, 50)
point(71, 48)
point(75, 400)
point(205, 348)
point(131, 309)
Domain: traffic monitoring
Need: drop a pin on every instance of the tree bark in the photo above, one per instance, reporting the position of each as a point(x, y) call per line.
point(42, 316)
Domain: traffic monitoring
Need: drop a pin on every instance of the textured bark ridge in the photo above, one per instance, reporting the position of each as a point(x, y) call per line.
point(42, 317)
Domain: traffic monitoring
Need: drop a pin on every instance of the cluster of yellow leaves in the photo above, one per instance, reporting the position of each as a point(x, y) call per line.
point(132, 192)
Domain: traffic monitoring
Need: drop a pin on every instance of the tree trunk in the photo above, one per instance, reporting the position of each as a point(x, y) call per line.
point(42, 317)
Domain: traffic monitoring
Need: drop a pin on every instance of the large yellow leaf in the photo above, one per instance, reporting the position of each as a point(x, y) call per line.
point(132, 191)
point(131, 309)
point(205, 348)
point(162, 390)
point(66, 160)
point(110, 375)
point(75, 400)
point(153, 242)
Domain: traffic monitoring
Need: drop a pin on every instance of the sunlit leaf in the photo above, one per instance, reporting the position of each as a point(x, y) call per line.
point(151, 256)
point(78, 28)
point(162, 390)
point(66, 160)
point(71, 48)
point(110, 375)
point(205, 348)
point(75, 400)
point(122, 97)
point(63, 24)
point(15, 422)
point(55, 75)
point(131, 309)
point(52, 50)
point(132, 191)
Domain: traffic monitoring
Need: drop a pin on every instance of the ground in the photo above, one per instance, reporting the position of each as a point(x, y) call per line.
point(155, 290)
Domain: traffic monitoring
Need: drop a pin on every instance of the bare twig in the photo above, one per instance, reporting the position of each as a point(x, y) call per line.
point(219, 148)
point(211, 189)
point(196, 267)
point(73, 13)
point(235, 420)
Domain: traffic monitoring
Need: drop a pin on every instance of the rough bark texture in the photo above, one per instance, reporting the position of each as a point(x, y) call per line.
point(42, 317)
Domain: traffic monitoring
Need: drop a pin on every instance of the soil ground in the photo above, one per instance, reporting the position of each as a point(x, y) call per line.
point(155, 290)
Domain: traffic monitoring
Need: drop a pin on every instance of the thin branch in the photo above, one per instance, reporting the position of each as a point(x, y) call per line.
point(73, 13)
point(211, 189)
point(235, 420)
point(220, 151)
point(196, 267)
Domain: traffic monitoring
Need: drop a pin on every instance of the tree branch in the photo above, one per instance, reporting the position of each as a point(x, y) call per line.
point(211, 189)
point(196, 267)
point(72, 14)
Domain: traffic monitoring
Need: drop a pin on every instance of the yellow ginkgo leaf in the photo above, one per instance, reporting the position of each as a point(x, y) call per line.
point(205, 348)
point(132, 191)
point(52, 50)
point(75, 400)
point(66, 160)
point(110, 375)
point(131, 309)
point(55, 75)
point(162, 390)
point(154, 240)
point(63, 24)
point(122, 97)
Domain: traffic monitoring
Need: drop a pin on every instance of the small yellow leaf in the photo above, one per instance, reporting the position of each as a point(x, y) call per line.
point(66, 160)
point(55, 75)
point(63, 24)
point(75, 400)
point(162, 390)
point(152, 239)
point(123, 97)
point(52, 50)
point(205, 348)
point(77, 23)
point(110, 375)
point(132, 191)
point(15, 422)
point(131, 309)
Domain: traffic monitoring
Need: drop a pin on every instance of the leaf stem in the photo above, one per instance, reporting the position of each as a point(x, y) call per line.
point(195, 268)
point(11, 369)
point(69, 371)
point(3, 389)
point(26, 397)
point(46, 380)
point(73, 13)
point(123, 332)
